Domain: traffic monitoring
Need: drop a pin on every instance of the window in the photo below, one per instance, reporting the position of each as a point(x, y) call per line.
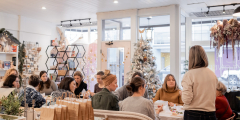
point(160, 26)
point(93, 34)
point(201, 28)
point(117, 29)
point(226, 69)
point(74, 35)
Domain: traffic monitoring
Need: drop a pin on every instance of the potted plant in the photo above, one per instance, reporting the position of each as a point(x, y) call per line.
point(11, 105)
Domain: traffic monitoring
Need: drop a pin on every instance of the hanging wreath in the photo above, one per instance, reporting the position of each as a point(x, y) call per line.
point(224, 33)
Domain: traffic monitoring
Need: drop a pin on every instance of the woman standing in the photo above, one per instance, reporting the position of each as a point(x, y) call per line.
point(105, 99)
point(169, 92)
point(46, 86)
point(199, 87)
point(78, 77)
point(11, 71)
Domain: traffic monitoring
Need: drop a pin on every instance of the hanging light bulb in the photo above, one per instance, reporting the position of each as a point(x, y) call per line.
point(149, 31)
point(223, 9)
point(70, 23)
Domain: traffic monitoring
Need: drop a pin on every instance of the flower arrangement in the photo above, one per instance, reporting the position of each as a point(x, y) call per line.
point(224, 33)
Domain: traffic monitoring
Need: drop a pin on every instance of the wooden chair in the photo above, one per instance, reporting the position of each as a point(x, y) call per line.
point(232, 118)
point(119, 115)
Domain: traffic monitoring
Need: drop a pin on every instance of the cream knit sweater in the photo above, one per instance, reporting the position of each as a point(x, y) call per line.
point(199, 90)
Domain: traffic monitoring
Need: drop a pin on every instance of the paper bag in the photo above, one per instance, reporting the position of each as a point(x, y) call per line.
point(47, 113)
point(59, 113)
point(83, 106)
point(90, 110)
point(64, 112)
point(73, 110)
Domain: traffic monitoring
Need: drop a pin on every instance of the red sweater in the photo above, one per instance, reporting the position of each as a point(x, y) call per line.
point(221, 104)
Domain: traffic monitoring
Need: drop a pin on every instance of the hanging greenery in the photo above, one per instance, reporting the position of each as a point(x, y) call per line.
point(3, 31)
point(21, 58)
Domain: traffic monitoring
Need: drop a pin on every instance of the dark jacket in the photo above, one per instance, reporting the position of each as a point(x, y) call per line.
point(123, 93)
point(32, 94)
point(80, 88)
point(105, 100)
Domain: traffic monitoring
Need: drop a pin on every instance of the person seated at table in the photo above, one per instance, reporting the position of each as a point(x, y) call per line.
point(123, 93)
point(137, 103)
point(169, 92)
point(11, 82)
point(104, 99)
point(223, 109)
point(32, 93)
point(80, 84)
point(11, 71)
point(98, 86)
point(46, 86)
point(66, 89)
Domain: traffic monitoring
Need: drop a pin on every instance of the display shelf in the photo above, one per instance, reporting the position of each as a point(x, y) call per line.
point(75, 59)
point(13, 53)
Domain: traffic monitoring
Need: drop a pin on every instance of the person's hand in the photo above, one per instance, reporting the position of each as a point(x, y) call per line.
point(160, 108)
point(91, 93)
point(180, 93)
point(170, 104)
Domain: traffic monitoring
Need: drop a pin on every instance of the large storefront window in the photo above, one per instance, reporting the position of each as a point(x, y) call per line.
point(226, 69)
point(73, 35)
point(160, 26)
point(117, 29)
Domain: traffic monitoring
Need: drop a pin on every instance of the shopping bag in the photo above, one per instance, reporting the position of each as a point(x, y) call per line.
point(47, 113)
point(64, 112)
point(83, 106)
point(90, 110)
point(73, 109)
point(59, 113)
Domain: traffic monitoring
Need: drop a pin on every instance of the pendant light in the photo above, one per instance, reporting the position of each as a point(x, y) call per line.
point(236, 11)
point(149, 31)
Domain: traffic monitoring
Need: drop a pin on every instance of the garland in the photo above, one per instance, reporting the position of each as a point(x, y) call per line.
point(224, 33)
point(9, 35)
point(21, 58)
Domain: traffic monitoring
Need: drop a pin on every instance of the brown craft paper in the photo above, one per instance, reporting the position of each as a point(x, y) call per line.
point(73, 110)
point(64, 112)
point(90, 110)
point(47, 113)
point(59, 113)
point(83, 106)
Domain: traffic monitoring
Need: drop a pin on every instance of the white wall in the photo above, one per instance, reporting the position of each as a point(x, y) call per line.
point(30, 30)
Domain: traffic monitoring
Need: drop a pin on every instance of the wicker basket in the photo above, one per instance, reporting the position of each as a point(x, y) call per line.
point(62, 72)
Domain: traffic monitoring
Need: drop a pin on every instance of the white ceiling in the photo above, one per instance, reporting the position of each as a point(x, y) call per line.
point(58, 10)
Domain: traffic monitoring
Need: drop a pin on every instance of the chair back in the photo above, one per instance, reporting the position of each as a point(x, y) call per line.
point(119, 115)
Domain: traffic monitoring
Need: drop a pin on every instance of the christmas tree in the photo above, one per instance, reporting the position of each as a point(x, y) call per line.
point(144, 62)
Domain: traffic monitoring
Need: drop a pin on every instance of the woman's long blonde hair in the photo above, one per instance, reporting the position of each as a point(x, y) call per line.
point(164, 86)
point(8, 73)
point(197, 57)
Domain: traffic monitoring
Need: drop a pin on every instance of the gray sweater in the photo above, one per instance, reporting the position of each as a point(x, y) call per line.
point(138, 105)
point(122, 93)
point(53, 87)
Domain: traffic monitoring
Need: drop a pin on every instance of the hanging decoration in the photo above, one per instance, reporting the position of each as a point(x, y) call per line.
point(224, 33)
